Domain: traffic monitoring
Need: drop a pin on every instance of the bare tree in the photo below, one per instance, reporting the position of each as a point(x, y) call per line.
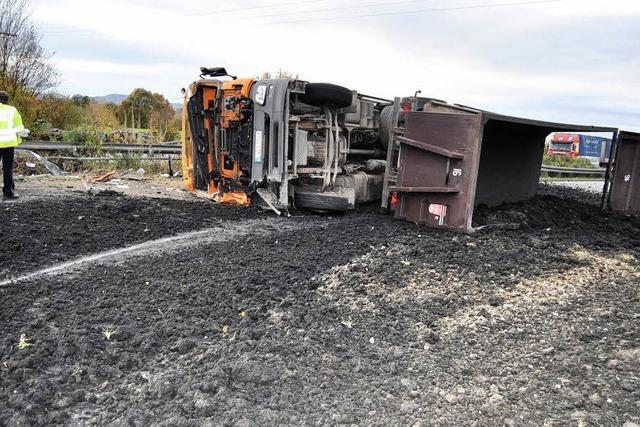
point(24, 64)
point(161, 116)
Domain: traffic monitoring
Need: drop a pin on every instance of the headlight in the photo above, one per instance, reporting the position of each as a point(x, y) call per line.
point(261, 94)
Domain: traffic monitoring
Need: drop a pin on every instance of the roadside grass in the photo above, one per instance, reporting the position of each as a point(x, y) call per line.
point(567, 162)
point(119, 164)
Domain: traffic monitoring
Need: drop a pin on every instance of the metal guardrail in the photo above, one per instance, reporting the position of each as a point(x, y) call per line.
point(175, 148)
point(576, 171)
point(166, 148)
point(112, 159)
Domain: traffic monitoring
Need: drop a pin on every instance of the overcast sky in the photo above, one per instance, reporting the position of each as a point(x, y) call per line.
point(564, 60)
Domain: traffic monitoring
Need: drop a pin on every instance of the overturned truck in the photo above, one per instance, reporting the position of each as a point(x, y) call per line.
point(312, 145)
point(323, 147)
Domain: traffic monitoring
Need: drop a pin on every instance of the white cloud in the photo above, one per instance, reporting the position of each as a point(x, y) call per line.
point(362, 54)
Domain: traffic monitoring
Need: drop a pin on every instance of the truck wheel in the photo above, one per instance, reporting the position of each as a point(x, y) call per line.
point(326, 95)
point(321, 201)
point(386, 123)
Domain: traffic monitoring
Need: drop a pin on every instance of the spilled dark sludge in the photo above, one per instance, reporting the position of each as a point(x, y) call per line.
point(351, 319)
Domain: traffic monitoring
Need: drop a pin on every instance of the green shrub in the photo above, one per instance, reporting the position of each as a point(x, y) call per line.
point(90, 137)
point(128, 161)
point(567, 162)
point(40, 130)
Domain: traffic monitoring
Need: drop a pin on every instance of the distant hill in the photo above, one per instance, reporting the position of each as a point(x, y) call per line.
point(117, 98)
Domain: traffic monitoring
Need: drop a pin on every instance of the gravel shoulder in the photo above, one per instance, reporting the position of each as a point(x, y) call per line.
point(593, 186)
point(353, 319)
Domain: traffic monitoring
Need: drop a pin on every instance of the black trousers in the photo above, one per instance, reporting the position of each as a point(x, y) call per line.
point(7, 169)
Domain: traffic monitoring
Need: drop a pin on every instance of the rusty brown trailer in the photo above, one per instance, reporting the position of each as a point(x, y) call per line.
point(453, 158)
point(624, 175)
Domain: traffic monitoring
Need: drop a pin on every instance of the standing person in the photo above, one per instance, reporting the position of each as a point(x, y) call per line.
point(11, 129)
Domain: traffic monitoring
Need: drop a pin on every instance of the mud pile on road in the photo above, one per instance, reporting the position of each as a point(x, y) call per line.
point(41, 232)
point(354, 319)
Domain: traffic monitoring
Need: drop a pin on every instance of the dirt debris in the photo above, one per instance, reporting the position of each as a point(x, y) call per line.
point(44, 231)
point(356, 319)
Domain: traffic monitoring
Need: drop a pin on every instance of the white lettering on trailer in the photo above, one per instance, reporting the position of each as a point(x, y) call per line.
point(457, 172)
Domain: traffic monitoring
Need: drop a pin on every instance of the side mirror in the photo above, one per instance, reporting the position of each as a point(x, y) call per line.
point(215, 72)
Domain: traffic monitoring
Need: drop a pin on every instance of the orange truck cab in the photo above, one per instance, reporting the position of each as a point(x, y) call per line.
point(284, 142)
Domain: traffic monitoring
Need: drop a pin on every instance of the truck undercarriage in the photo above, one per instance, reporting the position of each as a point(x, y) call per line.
point(293, 143)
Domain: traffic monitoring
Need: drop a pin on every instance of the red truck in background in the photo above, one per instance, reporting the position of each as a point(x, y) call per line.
point(578, 145)
point(564, 144)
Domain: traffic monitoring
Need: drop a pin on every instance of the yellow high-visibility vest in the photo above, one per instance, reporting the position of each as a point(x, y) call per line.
point(10, 126)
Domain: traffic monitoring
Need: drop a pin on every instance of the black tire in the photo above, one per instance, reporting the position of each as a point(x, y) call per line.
point(386, 122)
point(326, 95)
point(321, 202)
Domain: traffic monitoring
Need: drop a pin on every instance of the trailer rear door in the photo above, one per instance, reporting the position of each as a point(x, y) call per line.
point(436, 169)
point(625, 183)
point(453, 158)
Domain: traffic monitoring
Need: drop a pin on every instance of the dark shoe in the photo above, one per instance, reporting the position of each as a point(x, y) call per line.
point(10, 196)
